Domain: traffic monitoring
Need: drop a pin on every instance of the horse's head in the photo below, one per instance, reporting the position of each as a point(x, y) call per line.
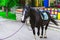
point(25, 13)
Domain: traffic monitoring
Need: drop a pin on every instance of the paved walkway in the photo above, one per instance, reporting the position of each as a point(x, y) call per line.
point(9, 27)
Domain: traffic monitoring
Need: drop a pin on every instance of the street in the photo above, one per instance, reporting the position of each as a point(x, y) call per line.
point(13, 30)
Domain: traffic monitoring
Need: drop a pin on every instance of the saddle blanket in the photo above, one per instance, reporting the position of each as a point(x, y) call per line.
point(45, 16)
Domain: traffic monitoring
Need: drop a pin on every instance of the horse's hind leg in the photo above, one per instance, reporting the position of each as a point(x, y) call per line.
point(38, 33)
point(45, 28)
point(42, 28)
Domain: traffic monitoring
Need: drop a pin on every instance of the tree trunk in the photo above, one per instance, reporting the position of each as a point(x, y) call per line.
point(6, 11)
point(2, 8)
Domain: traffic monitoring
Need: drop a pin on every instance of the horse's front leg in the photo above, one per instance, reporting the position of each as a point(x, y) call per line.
point(38, 33)
point(33, 29)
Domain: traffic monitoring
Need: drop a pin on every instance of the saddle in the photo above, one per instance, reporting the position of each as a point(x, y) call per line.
point(45, 16)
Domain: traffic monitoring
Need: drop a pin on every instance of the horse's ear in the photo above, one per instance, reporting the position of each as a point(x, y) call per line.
point(29, 6)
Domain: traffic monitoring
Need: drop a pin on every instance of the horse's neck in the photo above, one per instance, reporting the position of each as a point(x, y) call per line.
point(32, 15)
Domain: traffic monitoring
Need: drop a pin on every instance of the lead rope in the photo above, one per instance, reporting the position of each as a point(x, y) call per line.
point(13, 33)
point(29, 28)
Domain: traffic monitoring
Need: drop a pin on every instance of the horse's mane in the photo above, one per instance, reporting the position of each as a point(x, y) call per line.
point(34, 10)
point(35, 13)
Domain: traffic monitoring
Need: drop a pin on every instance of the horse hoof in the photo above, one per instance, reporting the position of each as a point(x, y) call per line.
point(41, 36)
point(45, 36)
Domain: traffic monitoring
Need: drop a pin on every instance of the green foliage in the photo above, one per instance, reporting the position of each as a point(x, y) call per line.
point(8, 3)
point(10, 15)
point(3, 2)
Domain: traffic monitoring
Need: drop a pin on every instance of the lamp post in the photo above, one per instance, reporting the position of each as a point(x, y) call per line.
point(49, 3)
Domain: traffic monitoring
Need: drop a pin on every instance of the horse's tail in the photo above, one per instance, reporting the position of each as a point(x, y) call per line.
point(55, 22)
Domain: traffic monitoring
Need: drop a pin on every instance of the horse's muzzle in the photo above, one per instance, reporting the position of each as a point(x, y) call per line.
point(23, 21)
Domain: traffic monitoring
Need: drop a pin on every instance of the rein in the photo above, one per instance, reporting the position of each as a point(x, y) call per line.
point(12, 34)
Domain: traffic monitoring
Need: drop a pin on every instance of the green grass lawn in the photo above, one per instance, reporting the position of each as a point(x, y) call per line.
point(10, 15)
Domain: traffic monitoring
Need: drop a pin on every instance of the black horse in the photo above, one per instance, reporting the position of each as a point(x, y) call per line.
point(36, 20)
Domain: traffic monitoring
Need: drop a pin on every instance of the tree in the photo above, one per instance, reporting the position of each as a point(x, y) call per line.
point(7, 4)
